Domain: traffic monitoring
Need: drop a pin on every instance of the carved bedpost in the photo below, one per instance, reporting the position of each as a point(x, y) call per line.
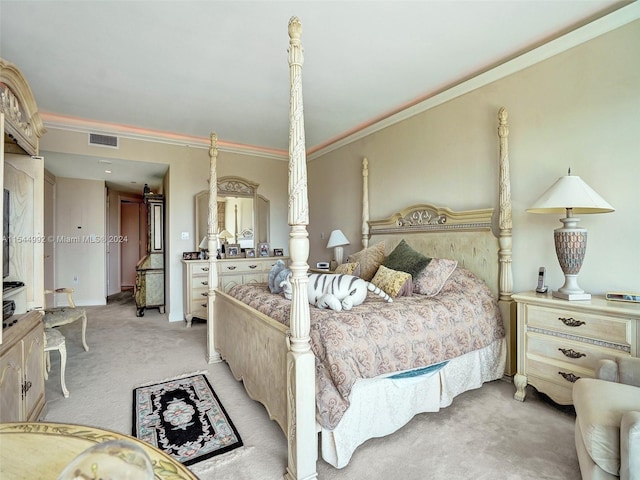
point(301, 400)
point(365, 202)
point(505, 241)
point(212, 246)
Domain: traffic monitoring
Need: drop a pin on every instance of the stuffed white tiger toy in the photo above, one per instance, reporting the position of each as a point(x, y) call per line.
point(337, 292)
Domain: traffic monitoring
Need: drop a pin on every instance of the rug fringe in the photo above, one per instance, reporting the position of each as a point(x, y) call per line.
point(178, 377)
point(206, 466)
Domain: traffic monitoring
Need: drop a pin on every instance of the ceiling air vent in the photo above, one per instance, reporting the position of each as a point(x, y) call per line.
point(103, 140)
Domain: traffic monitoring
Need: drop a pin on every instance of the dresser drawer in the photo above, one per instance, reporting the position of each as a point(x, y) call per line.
point(241, 267)
point(201, 282)
point(561, 374)
point(560, 349)
point(199, 307)
point(582, 324)
point(200, 271)
point(562, 394)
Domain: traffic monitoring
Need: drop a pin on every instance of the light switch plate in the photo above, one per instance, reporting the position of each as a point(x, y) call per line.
point(185, 236)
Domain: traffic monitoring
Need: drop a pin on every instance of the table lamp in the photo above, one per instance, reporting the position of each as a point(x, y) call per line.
point(224, 237)
point(336, 240)
point(570, 195)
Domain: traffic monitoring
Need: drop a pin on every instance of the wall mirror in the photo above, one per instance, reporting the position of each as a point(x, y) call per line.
point(241, 211)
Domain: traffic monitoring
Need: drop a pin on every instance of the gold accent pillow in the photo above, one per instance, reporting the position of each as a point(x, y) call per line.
point(431, 280)
point(369, 260)
point(348, 269)
point(394, 283)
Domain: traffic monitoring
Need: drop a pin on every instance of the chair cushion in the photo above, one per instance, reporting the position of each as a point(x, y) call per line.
point(58, 316)
point(599, 408)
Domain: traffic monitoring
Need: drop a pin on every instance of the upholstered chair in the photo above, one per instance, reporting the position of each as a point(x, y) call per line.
point(59, 316)
point(607, 431)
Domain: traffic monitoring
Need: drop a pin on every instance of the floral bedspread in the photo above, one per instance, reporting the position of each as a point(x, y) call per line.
point(378, 338)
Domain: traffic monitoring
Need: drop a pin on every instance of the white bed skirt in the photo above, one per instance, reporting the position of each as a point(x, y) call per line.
point(380, 406)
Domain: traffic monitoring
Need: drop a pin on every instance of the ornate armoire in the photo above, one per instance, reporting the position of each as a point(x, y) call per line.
point(150, 268)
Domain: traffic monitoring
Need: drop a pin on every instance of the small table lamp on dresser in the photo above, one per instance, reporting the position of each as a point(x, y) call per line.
point(572, 195)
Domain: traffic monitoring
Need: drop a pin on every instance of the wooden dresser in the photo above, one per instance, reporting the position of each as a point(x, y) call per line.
point(231, 271)
point(22, 369)
point(560, 341)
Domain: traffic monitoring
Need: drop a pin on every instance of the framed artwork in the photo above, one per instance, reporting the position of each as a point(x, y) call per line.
point(278, 252)
point(233, 250)
point(190, 255)
point(250, 252)
point(263, 248)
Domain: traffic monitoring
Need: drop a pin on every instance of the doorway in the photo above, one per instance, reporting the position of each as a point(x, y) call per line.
point(133, 229)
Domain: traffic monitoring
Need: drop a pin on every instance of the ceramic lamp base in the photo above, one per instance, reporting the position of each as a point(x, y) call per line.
point(571, 246)
point(571, 296)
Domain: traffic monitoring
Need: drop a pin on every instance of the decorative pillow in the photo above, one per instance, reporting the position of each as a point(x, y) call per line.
point(431, 280)
point(394, 283)
point(348, 269)
point(276, 275)
point(406, 259)
point(369, 260)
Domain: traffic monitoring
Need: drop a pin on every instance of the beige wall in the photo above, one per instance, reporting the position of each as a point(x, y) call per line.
point(79, 250)
point(188, 170)
point(578, 109)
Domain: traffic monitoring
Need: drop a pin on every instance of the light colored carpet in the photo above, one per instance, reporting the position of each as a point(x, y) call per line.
point(484, 434)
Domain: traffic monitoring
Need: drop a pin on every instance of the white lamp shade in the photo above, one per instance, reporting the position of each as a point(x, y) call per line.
point(204, 244)
point(571, 192)
point(337, 239)
point(225, 235)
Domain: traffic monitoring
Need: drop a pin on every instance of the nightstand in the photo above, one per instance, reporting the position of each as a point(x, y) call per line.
point(559, 341)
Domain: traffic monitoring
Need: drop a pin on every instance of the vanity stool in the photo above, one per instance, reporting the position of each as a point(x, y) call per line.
point(54, 340)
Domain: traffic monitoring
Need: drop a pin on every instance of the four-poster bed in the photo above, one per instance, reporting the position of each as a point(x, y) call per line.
point(274, 356)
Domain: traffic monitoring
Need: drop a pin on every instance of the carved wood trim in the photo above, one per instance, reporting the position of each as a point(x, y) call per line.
point(427, 218)
point(23, 124)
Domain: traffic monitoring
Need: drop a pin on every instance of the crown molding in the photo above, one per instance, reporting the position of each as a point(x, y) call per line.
point(54, 121)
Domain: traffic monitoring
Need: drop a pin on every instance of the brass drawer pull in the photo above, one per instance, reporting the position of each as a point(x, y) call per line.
point(204, 305)
point(571, 322)
point(571, 353)
point(569, 377)
point(206, 282)
point(206, 294)
point(204, 269)
point(253, 266)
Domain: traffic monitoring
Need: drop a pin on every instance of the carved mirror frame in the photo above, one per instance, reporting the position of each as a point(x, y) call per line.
point(230, 186)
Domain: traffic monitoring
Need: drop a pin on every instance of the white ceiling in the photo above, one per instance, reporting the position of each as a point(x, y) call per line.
point(191, 67)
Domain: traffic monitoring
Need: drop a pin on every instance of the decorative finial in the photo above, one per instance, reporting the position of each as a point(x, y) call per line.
point(295, 28)
point(213, 149)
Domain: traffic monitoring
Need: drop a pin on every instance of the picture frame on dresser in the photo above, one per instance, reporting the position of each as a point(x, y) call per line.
point(190, 255)
point(233, 250)
point(250, 252)
point(278, 252)
point(263, 248)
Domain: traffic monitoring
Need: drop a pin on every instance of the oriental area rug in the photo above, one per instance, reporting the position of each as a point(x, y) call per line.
point(184, 418)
